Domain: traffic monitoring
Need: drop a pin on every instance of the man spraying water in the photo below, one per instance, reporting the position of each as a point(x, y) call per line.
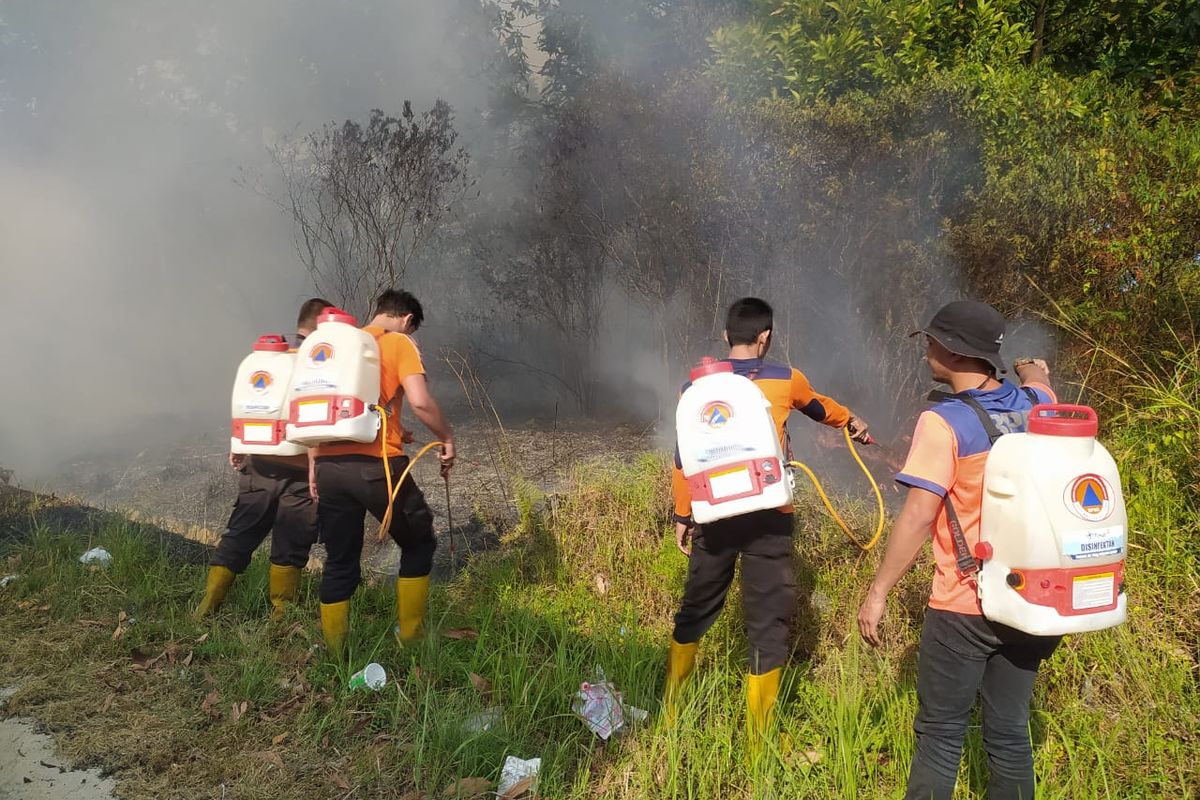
point(762, 537)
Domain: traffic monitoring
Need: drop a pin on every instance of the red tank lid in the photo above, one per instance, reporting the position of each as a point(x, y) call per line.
point(1062, 419)
point(271, 342)
point(710, 366)
point(332, 314)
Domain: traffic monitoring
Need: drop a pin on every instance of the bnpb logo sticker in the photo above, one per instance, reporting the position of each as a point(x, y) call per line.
point(1089, 497)
point(716, 414)
point(320, 354)
point(261, 381)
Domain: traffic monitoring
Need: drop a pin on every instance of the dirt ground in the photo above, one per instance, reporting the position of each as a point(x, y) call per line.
point(32, 769)
point(189, 489)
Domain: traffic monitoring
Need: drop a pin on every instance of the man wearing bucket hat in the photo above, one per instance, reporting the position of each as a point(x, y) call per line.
point(961, 653)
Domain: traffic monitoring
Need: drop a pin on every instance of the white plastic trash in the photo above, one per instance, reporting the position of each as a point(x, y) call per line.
point(372, 677)
point(635, 714)
point(516, 770)
point(599, 706)
point(7, 579)
point(483, 721)
point(97, 555)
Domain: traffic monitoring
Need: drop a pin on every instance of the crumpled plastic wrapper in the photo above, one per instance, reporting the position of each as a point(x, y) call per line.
point(97, 555)
point(516, 770)
point(600, 706)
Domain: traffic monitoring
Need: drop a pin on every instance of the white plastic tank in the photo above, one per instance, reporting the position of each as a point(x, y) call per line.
point(1053, 533)
point(259, 402)
point(729, 449)
point(335, 383)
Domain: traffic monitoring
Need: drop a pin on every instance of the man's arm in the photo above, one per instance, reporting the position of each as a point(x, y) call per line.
point(824, 409)
point(426, 409)
point(1033, 372)
point(682, 497)
point(912, 529)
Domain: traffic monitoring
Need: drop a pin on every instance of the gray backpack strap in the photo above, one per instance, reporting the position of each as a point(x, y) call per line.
point(985, 419)
point(964, 560)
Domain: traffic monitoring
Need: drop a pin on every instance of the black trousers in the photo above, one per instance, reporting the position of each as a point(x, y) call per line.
point(961, 656)
point(764, 541)
point(272, 498)
point(351, 486)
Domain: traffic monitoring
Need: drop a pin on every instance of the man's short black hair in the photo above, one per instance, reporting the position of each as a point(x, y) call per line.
point(397, 303)
point(309, 312)
point(747, 318)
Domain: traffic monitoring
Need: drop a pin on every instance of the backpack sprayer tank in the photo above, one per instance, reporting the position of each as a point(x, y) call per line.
point(729, 449)
point(335, 383)
point(259, 402)
point(1052, 537)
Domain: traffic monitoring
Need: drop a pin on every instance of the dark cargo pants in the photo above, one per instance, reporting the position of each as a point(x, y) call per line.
point(764, 541)
point(349, 487)
point(961, 656)
point(272, 498)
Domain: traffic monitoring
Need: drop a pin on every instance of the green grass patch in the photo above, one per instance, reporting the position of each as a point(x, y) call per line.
point(240, 706)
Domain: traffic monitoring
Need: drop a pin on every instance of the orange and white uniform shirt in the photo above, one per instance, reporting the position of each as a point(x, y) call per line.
point(949, 450)
point(399, 358)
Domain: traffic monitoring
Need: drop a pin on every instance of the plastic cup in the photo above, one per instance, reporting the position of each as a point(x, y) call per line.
point(372, 677)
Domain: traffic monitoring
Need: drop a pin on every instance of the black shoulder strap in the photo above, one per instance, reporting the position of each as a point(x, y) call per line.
point(1032, 395)
point(964, 559)
point(985, 419)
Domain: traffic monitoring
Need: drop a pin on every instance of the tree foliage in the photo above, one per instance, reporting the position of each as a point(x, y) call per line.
point(367, 198)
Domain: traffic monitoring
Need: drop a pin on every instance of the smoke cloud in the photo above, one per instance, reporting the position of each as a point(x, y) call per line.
point(136, 272)
point(137, 268)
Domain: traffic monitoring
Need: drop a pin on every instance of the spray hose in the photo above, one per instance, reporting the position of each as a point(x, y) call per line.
point(394, 489)
point(829, 506)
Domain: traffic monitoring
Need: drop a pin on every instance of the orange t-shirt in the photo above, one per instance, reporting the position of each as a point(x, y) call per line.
point(399, 358)
point(949, 450)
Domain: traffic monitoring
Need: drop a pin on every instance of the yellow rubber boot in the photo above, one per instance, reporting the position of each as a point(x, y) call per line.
point(335, 624)
point(215, 587)
point(282, 586)
point(681, 660)
point(411, 597)
point(761, 691)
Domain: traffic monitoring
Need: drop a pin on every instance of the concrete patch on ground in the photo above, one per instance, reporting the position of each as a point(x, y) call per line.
point(32, 769)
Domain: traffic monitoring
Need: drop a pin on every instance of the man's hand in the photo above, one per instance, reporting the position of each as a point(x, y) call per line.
point(858, 431)
point(1032, 370)
point(237, 460)
point(683, 537)
point(447, 457)
point(406, 436)
point(869, 615)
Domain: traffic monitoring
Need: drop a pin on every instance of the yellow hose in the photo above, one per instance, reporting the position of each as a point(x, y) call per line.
point(394, 490)
point(825, 499)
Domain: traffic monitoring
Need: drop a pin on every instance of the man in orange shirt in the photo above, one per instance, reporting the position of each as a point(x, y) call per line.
point(273, 497)
point(962, 654)
point(350, 481)
point(763, 539)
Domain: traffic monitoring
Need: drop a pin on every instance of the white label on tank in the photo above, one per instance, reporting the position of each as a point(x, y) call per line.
point(259, 408)
point(728, 484)
point(1094, 542)
point(313, 384)
point(1092, 591)
point(316, 411)
point(252, 432)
